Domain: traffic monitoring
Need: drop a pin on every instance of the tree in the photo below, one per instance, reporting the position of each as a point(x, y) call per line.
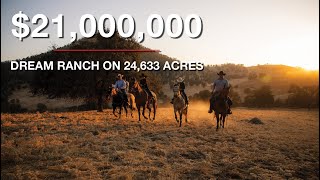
point(306, 96)
point(261, 97)
point(235, 97)
point(203, 95)
point(252, 76)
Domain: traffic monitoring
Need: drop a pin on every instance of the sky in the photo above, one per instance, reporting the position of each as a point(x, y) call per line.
point(248, 32)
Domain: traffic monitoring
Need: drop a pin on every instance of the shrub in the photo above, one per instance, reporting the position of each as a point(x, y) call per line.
point(261, 97)
point(41, 107)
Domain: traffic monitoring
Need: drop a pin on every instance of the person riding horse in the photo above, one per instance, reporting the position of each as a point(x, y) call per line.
point(180, 84)
point(121, 87)
point(219, 85)
point(144, 85)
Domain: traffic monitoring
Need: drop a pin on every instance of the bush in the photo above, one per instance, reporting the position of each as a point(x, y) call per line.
point(261, 97)
point(303, 96)
point(252, 76)
point(202, 95)
point(14, 106)
point(235, 97)
point(41, 107)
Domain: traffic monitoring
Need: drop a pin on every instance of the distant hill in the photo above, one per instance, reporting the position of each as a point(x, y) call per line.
point(81, 84)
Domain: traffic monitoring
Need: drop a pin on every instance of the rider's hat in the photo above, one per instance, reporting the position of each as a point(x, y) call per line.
point(221, 73)
point(119, 75)
point(180, 79)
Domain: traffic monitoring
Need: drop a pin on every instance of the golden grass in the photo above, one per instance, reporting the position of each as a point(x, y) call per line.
point(92, 145)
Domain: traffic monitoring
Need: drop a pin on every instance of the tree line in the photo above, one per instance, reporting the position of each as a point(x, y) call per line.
point(263, 97)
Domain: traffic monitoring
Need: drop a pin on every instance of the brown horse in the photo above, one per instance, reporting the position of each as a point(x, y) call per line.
point(220, 106)
point(179, 105)
point(142, 100)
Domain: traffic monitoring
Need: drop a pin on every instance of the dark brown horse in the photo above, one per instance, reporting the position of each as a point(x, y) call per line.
point(220, 106)
point(117, 101)
point(142, 99)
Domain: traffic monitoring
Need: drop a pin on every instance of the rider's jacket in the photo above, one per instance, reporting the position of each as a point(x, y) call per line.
point(121, 84)
point(220, 84)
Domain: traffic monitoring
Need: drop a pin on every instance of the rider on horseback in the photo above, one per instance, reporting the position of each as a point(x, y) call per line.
point(180, 84)
point(121, 87)
point(144, 85)
point(218, 86)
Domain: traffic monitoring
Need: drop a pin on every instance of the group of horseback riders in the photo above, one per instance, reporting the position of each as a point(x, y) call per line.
point(122, 87)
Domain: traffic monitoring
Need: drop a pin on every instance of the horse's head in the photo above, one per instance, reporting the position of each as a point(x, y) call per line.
point(135, 87)
point(225, 92)
point(111, 92)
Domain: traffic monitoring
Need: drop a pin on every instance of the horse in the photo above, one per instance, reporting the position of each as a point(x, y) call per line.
point(117, 101)
point(142, 100)
point(179, 105)
point(220, 106)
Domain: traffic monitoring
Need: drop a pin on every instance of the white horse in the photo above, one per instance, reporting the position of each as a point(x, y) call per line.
point(179, 105)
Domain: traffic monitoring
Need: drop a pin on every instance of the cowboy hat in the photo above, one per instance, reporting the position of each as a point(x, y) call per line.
point(119, 75)
point(143, 75)
point(180, 79)
point(221, 73)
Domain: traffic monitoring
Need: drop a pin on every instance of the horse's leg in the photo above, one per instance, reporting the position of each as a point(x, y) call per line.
point(217, 117)
point(143, 111)
point(131, 109)
point(154, 110)
point(223, 120)
point(186, 118)
point(180, 113)
point(114, 111)
point(138, 107)
point(120, 111)
point(175, 115)
point(125, 109)
point(149, 109)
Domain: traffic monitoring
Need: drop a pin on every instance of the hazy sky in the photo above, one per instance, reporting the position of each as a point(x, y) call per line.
point(245, 32)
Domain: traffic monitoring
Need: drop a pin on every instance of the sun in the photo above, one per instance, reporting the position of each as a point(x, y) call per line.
point(310, 67)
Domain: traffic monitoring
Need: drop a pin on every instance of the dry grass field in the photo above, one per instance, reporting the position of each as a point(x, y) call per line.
point(93, 145)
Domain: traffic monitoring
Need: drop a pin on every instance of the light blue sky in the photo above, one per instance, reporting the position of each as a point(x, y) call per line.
point(246, 32)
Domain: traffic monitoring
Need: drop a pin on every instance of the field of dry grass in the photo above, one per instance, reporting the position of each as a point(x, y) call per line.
point(92, 145)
